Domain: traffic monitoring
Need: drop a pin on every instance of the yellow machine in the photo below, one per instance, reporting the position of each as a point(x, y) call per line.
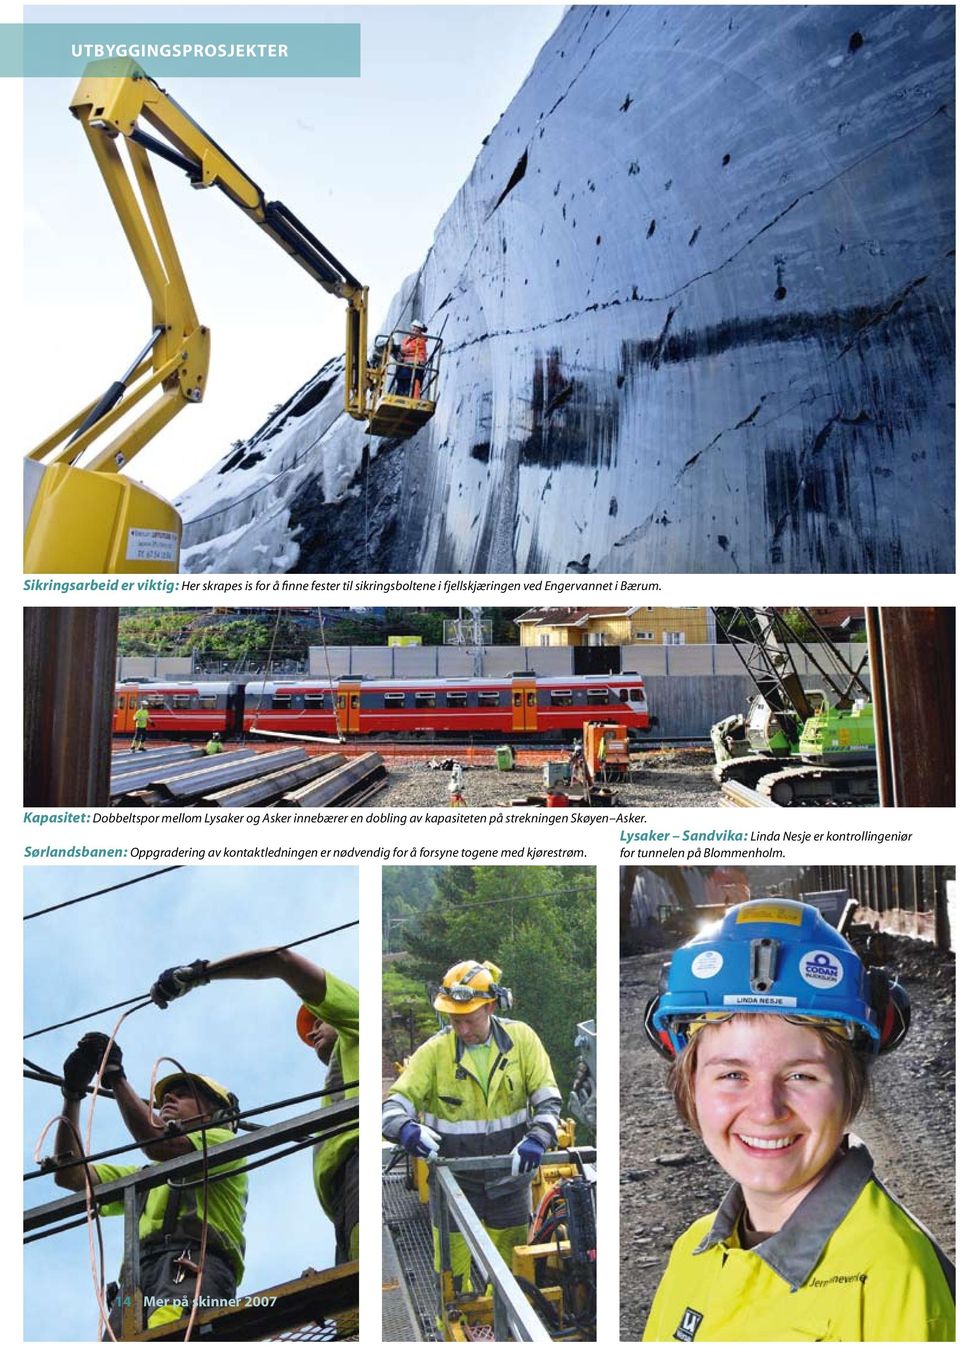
point(556, 1267)
point(89, 518)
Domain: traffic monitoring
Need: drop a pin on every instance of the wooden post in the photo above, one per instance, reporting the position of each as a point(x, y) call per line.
point(69, 665)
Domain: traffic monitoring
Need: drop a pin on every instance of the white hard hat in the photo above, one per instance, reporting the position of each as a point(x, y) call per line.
point(418, 326)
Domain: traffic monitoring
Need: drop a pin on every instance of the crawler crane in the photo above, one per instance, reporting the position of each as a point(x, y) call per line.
point(796, 745)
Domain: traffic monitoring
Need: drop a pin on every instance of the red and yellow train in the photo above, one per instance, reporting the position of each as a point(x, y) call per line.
point(552, 707)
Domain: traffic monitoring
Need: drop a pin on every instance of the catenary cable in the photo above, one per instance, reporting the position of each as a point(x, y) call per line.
point(239, 1116)
point(74, 901)
point(123, 1003)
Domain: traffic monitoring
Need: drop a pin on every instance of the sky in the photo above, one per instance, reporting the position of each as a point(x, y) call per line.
point(239, 1032)
point(369, 165)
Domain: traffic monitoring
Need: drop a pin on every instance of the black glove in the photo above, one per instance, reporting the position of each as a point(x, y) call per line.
point(113, 1070)
point(81, 1065)
point(177, 981)
point(78, 1070)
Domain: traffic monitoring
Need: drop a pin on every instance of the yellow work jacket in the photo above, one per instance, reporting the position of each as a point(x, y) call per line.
point(340, 1008)
point(472, 1121)
point(849, 1264)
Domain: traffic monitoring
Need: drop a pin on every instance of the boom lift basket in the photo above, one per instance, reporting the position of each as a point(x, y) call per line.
point(403, 395)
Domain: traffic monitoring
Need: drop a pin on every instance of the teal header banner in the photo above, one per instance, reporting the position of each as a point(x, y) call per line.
point(200, 50)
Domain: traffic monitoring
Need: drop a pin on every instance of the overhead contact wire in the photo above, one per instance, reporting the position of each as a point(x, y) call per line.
point(123, 1003)
point(74, 901)
point(240, 1116)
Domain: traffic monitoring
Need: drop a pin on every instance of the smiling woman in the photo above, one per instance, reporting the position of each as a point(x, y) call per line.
point(770, 1021)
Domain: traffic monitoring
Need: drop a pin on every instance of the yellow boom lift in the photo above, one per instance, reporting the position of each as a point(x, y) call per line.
point(90, 519)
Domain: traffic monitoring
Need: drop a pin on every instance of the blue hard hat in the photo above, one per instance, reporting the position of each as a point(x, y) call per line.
point(781, 957)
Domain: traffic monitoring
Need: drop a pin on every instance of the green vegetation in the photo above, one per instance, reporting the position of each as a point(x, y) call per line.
point(235, 634)
point(167, 631)
point(537, 924)
point(408, 1017)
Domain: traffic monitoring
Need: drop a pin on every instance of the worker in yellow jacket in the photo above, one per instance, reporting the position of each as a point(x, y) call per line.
point(328, 1021)
point(141, 722)
point(173, 1216)
point(770, 1021)
point(481, 1087)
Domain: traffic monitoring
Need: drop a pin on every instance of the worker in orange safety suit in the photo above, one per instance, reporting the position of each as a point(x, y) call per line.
point(413, 361)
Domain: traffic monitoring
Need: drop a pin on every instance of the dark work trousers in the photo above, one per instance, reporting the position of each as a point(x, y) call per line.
point(345, 1197)
point(158, 1280)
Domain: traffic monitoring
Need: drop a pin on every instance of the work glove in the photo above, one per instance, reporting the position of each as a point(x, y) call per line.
point(420, 1141)
point(81, 1065)
point(177, 981)
point(78, 1070)
point(113, 1070)
point(526, 1155)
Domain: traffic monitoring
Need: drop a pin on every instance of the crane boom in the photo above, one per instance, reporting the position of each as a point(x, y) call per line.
point(86, 523)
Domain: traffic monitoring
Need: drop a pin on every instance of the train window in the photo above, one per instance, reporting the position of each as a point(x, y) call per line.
point(208, 702)
point(313, 700)
point(281, 702)
point(531, 698)
point(488, 697)
point(394, 700)
point(424, 700)
point(182, 702)
point(631, 694)
point(597, 696)
point(155, 703)
point(564, 697)
point(457, 699)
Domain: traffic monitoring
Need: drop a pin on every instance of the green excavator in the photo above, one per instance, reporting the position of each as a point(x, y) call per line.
point(796, 745)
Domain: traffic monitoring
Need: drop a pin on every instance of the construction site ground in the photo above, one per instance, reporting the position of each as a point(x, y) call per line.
point(667, 1178)
point(671, 778)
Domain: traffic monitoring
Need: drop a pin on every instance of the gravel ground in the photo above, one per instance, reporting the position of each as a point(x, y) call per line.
point(668, 1179)
point(672, 779)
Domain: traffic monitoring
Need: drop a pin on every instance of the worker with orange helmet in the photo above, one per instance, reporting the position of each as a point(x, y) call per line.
point(413, 360)
point(483, 1086)
point(328, 1021)
point(189, 1107)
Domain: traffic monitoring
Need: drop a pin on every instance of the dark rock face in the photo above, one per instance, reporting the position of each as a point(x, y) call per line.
point(698, 301)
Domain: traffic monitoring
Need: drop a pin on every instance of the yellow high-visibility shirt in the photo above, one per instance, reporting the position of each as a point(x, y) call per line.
point(340, 1008)
point(227, 1200)
point(849, 1264)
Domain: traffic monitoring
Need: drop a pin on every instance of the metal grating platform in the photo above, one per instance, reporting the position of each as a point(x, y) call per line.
point(343, 1328)
point(398, 1317)
point(407, 1224)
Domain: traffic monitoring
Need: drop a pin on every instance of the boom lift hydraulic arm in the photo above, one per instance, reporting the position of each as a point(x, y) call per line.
point(112, 99)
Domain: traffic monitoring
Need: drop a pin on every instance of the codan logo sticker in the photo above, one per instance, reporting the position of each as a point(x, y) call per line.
point(821, 970)
point(705, 965)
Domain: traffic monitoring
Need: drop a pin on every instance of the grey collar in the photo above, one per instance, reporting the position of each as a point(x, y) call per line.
point(793, 1251)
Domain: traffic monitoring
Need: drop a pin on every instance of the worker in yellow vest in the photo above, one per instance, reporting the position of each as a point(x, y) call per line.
point(141, 722)
point(171, 1224)
point(328, 1022)
point(481, 1087)
point(771, 1022)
